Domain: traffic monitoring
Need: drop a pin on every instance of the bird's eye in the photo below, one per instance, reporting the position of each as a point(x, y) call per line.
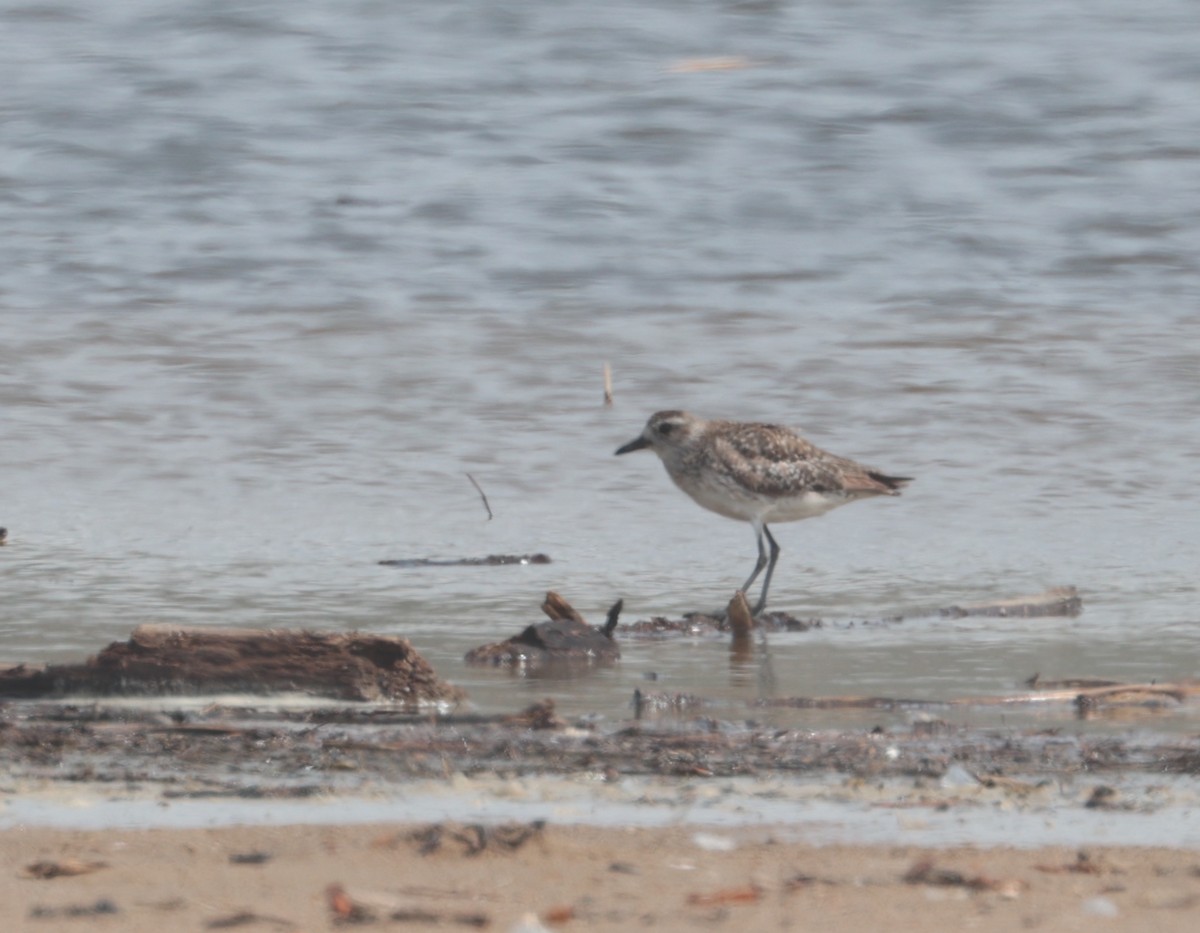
point(666, 428)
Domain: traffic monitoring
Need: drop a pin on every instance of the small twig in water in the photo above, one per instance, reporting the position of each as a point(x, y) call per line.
point(481, 496)
point(607, 385)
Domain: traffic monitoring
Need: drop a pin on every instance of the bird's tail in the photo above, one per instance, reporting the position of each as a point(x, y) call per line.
point(893, 483)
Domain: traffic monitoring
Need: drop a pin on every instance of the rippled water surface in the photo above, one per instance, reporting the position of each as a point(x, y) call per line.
point(277, 276)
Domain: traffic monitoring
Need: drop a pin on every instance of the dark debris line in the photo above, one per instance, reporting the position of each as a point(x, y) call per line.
point(243, 753)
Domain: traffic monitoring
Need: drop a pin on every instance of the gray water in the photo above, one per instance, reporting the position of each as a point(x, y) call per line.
point(277, 276)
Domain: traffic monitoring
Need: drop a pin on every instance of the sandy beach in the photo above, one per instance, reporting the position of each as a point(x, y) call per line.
point(328, 817)
point(528, 876)
point(265, 817)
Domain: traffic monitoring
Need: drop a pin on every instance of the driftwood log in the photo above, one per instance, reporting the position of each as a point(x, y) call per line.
point(1089, 699)
point(164, 659)
point(567, 639)
point(1086, 699)
point(492, 560)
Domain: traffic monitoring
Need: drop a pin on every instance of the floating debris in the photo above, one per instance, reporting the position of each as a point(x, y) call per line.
point(1087, 701)
point(492, 560)
point(567, 639)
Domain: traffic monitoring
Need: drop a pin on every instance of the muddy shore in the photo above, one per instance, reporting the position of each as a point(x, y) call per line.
point(263, 749)
point(495, 811)
point(304, 812)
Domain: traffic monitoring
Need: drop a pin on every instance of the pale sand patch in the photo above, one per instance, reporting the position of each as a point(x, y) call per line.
point(579, 878)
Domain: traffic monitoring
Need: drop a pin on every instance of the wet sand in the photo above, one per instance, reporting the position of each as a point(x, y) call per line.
point(581, 878)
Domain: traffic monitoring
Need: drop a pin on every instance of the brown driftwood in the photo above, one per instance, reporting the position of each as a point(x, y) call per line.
point(1068, 683)
point(165, 659)
point(1148, 696)
point(1056, 601)
point(1086, 700)
point(557, 608)
point(566, 639)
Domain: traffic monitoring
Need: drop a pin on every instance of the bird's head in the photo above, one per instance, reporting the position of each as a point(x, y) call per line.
point(665, 431)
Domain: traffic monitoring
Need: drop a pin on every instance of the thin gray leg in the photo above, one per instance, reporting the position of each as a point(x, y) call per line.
point(762, 600)
point(762, 559)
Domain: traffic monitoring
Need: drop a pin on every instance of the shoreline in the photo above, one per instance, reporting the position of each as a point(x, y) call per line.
point(819, 809)
point(107, 765)
point(278, 817)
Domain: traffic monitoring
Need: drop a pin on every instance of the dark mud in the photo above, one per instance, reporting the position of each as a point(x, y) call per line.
point(260, 752)
point(699, 623)
point(1059, 601)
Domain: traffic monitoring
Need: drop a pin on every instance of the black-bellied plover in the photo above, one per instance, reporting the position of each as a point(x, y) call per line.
point(757, 473)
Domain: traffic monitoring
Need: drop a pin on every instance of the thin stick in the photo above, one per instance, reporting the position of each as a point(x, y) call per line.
point(607, 385)
point(610, 624)
point(481, 496)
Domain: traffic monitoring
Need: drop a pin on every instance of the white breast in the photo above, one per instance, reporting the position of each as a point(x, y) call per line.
point(719, 493)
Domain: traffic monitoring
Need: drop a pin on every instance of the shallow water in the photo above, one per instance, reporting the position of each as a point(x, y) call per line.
point(280, 275)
